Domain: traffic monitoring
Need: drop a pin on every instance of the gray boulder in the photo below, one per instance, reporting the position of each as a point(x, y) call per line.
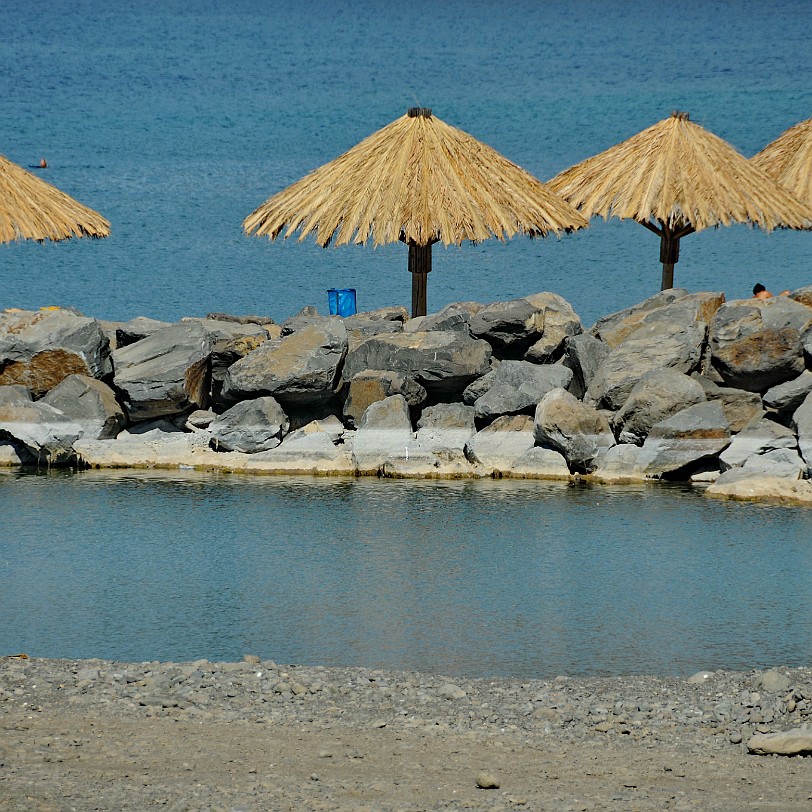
point(301, 368)
point(741, 408)
point(759, 438)
point(517, 386)
point(560, 323)
point(40, 349)
point(455, 316)
point(250, 426)
point(661, 344)
point(757, 343)
point(618, 463)
point(796, 742)
point(444, 362)
point(656, 396)
point(802, 295)
point(511, 328)
point(46, 435)
point(14, 393)
point(90, 403)
point(583, 354)
point(690, 308)
point(802, 423)
point(224, 354)
point(166, 373)
point(540, 463)
point(787, 397)
point(497, 447)
point(129, 332)
point(577, 430)
point(371, 385)
point(445, 428)
point(692, 435)
point(781, 462)
point(613, 328)
point(384, 431)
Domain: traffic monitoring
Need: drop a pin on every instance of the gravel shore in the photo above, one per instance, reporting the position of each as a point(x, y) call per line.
point(254, 735)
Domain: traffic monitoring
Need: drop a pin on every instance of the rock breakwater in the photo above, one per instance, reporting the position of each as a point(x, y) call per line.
point(682, 386)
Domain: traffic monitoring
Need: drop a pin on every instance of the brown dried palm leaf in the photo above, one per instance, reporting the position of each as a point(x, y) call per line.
point(31, 209)
point(417, 180)
point(679, 174)
point(788, 160)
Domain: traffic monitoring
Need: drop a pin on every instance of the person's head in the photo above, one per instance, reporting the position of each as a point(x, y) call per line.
point(43, 163)
point(758, 288)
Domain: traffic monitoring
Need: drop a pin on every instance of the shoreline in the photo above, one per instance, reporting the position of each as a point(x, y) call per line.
point(260, 735)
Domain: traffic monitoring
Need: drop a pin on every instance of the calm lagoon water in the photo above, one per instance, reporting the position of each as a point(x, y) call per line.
point(471, 578)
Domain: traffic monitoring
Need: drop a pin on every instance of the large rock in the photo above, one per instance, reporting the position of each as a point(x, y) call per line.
point(454, 316)
point(796, 742)
point(560, 323)
point(515, 387)
point(372, 385)
point(577, 430)
point(497, 447)
point(40, 349)
point(692, 308)
point(511, 328)
point(384, 431)
point(741, 408)
point(250, 426)
point(618, 464)
point(444, 429)
point(802, 295)
point(656, 396)
point(224, 354)
point(787, 397)
point(760, 438)
point(444, 362)
point(301, 368)
point(540, 463)
point(780, 462)
point(757, 343)
point(140, 327)
point(802, 423)
point(741, 485)
point(684, 439)
point(90, 403)
point(615, 327)
point(583, 354)
point(309, 447)
point(661, 344)
point(47, 435)
point(166, 373)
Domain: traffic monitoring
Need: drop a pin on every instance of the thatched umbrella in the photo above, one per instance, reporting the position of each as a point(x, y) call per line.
point(31, 209)
point(676, 178)
point(788, 159)
point(420, 181)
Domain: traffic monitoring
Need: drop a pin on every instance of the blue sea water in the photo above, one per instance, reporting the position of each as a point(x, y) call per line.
point(176, 120)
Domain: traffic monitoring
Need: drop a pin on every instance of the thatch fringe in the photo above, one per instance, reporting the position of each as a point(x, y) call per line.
point(678, 174)
point(788, 160)
point(417, 180)
point(31, 209)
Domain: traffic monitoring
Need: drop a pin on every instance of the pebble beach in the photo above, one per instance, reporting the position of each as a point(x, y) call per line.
point(257, 735)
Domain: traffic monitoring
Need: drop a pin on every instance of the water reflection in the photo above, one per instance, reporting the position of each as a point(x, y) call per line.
point(477, 578)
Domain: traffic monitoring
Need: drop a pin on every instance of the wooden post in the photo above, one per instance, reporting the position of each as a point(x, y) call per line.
point(419, 268)
point(669, 256)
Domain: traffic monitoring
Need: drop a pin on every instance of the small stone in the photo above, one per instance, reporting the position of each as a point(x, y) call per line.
point(486, 780)
point(735, 737)
point(251, 658)
point(700, 677)
point(450, 691)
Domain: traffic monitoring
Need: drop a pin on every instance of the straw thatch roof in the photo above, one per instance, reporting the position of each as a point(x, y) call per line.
point(31, 209)
point(420, 181)
point(679, 175)
point(788, 159)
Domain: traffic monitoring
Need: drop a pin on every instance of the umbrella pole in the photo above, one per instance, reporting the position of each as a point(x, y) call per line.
point(419, 268)
point(669, 256)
